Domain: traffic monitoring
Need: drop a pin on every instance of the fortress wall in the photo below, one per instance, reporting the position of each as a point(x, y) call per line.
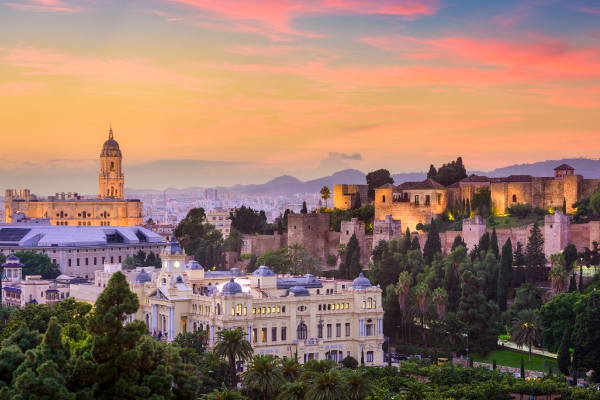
point(447, 239)
point(334, 241)
point(554, 194)
point(594, 232)
point(537, 191)
point(344, 195)
point(310, 231)
point(355, 227)
point(259, 244)
point(452, 195)
point(579, 235)
point(571, 190)
point(524, 193)
point(588, 187)
point(499, 192)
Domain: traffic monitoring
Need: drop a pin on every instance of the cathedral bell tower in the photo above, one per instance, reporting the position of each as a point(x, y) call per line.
point(111, 182)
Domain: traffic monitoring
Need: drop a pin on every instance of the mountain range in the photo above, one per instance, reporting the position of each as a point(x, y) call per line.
point(288, 185)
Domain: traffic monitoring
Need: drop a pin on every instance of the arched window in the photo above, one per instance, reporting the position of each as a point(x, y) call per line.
point(302, 331)
point(218, 309)
point(112, 191)
point(514, 199)
point(112, 165)
point(383, 198)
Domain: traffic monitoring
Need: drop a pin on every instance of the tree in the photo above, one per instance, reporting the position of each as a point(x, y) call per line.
point(304, 210)
point(252, 265)
point(440, 299)
point(504, 274)
point(263, 374)
point(558, 316)
point(407, 240)
point(415, 390)
point(355, 267)
point(559, 277)
point(328, 385)
point(415, 245)
point(421, 293)
point(449, 173)
point(37, 264)
point(587, 332)
point(564, 355)
point(292, 391)
point(194, 340)
point(194, 229)
point(572, 283)
point(377, 179)
point(357, 201)
point(232, 346)
point(353, 257)
point(458, 241)
point(359, 384)
point(534, 256)
point(494, 243)
point(484, 242)
point(526, 329)
point(570, 255)
point(247, 220)
point(402, 291)
point(223, 394)
point(325, 194)
point(291, 369)
point(433, 244)
point(113, 343)
point(519, 257)
point(477, 314)
point(564, 205)
point(432, 173)
point(140, 257)
point(595, 203)
point(468, 209)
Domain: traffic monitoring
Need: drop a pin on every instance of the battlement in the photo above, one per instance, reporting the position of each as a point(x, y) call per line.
point(476, 220)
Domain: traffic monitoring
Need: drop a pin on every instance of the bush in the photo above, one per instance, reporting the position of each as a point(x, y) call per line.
point(350, 362)
point(520, 210)
point(419, 226)
point(540, 212)
point(331, 260)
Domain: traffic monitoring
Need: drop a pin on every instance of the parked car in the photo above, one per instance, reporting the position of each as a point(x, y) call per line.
point(402, 357)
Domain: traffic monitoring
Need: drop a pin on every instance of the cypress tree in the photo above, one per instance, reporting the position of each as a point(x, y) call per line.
point(433, 244)
point(484, 242)
point(504, 274)
point(357, 200)
point(522, 368)
point(534, 256)
point(251, 267)
point(474, 253)
point(415, 245)
point(407, 240)
point(304, 209)
point(570, 254)
point(464, 206)
point(458, 241)
point(494, 364)
point(355, 267)
point(572, 284)
point(343, 271)
point(279, 227)
point(564, 356)
point(581, 278)
point(564, 205)
point(519, 260)
point(468, 209)
point(351, 247)
point(494, 243)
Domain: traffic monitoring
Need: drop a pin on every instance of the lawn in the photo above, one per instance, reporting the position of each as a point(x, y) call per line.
point(510, 358)
point(514, 222)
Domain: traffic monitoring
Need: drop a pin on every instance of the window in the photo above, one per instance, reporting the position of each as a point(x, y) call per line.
point(254, 333)
point(338, 330)
point(263, 335)
point(273, 334)
point(383, 198)
point(302, 331)
point(283, 333)
point(95, 261)
point(238, 310)
point(439, 199)
point(320, 331)
point(427, 200)
point(370, 329)
point(283, 309)
point(9, 273)
point(416, 200)
point(347, 329)
point(78, 262)
point(514, 198)
point(69, 262)
point(329, 331)
point(369, 356)
point(370, 302)
point(87, 261)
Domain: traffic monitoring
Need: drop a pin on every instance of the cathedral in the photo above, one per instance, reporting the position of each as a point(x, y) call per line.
point(108, 208)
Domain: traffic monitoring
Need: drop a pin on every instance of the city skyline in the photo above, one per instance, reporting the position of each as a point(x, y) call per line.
point(241, 92)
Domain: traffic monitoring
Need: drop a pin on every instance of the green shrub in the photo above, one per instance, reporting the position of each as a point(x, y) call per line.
point(520, 210)
point(350, 362)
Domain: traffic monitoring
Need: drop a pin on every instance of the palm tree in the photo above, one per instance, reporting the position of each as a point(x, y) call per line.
point(291, 370)
point(263, 374)
point(223, 394)
point(232, 346)
point(526, 329)
point(422, 301)
point(415, 390)
point(455, 328)
point(328, 385)
point(402, 290)
point(360, 386)
point(292, 391)
point(315, 367)
point(325, 194)
point(559, 276)
point(341, 250)
point(440, 299)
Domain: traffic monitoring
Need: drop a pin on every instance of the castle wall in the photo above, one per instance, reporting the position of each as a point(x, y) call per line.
point(447, 240)
point(523, 192)
point(386, 229)
point(408, 213)
point(572, 184)
point(355, 227)
point(310, 231)
point(499, 193)
point(579, 235)
point(556, 233)
point(588, 187)
point(345, 195)
point(554, 193)
point(473, 230)
point(594, 232)
point(259, 244)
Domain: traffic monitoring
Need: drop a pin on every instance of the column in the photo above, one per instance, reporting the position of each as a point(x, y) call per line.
point(380, 326)
point(171, 322)
point(154, 318)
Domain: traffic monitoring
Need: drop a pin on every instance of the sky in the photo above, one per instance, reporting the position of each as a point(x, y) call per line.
point(216, 93)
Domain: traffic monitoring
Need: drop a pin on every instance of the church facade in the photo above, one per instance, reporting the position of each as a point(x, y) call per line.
point(108, 208)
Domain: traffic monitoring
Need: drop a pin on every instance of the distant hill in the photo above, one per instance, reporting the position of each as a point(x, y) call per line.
point(287, 185)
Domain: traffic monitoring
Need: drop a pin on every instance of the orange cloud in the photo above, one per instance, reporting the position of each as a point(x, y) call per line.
point(45, 6)
point(20, 88)
point(44, 62)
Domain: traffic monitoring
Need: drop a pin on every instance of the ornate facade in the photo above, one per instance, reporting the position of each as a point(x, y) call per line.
point(108, 208)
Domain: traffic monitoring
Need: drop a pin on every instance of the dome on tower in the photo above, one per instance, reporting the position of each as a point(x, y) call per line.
point(231, 288)
point(111, 147)
point(361, 283)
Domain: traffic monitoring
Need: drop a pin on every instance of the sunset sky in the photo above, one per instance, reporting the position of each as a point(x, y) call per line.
point(207, 92)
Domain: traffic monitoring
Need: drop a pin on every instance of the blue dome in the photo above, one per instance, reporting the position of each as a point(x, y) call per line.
point(193, 265)
point(361, 283)
point(231, 288)
point(299, 291)
point(263, 270)
point(12, 261)
point(142, 277)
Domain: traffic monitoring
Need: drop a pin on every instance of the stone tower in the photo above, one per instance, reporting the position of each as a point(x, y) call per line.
point(556, 233)
point(473, 229)
point(111, 182)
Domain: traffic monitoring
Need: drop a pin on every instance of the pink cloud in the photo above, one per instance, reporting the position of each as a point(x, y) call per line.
point(45, 6)
point(589, 10)
point(277, 15)
point(43, 62)
point(20, 88)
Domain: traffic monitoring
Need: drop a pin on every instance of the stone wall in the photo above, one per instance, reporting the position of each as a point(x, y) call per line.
point(473, 230)
point(594, 232)
point(499, 193)
point(588, 187)
point(311, 231)
point(345, 195)
point(258, 244)
point(579, 235)
point(556, 233)
point(407, 213)
point(386, 229)
point(355, 227)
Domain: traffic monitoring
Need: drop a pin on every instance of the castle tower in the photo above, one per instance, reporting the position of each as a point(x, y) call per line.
point(111, 182)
